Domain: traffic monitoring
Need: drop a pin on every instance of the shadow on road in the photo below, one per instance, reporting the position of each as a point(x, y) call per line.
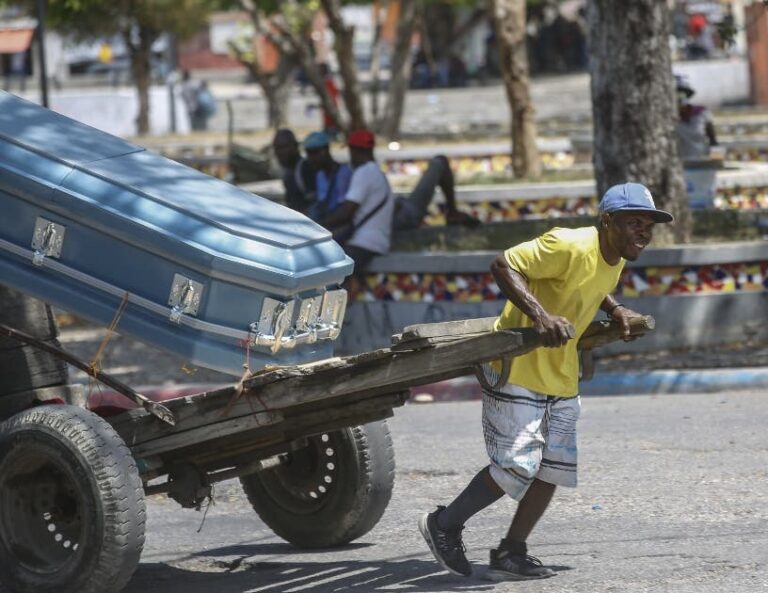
point(237, 569)
point(242, 572)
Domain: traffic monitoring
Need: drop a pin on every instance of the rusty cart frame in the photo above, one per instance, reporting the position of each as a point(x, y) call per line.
point(308, 442)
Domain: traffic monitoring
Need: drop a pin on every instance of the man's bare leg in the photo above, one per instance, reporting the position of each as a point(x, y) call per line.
point(530, 509)
point(510, 561)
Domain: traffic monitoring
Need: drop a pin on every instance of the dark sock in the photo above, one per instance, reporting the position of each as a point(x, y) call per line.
point(513, 546)
point(481, 492)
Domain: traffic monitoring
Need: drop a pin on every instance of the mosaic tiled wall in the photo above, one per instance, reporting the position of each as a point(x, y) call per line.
point(753, 153)
point(742, 198)
point(496, 164)
point(507, 210)
point(651, 281)
point(429, 288)
point(694, 279)
point(499, 164)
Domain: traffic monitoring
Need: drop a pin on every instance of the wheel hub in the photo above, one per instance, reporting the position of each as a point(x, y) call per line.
point(40, 511)
point(302, 483)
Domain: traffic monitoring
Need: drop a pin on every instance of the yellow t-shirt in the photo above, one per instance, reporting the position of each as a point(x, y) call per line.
point(566, 272)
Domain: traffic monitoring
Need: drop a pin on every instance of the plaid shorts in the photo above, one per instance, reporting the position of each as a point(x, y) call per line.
point(529, 435)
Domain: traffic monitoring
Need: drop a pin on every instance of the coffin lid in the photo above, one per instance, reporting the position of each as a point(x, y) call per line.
point(234, 228)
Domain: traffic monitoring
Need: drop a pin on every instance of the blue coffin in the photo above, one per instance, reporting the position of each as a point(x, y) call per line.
point(92, 223)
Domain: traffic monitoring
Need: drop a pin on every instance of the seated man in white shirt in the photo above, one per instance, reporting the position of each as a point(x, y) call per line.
point(362, 224)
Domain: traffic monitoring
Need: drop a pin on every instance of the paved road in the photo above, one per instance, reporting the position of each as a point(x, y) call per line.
point(672, 499)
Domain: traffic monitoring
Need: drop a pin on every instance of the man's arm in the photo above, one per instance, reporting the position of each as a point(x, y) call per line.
point(294, 197)
point(554, 330)
point(341, 216)
point(709, 129)
point(357, 193)
point(615, 310)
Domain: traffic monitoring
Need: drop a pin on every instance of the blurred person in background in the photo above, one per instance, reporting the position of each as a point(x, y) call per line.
point(411, 210)
point(16, 69)
point(331, 178)
point(198, 99)
point(298, 173)
point(695, 128)
point(701, 41)
point(362, 224)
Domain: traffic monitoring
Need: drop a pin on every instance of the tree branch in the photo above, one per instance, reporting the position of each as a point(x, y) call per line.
point(305, 56)
point(343, 38)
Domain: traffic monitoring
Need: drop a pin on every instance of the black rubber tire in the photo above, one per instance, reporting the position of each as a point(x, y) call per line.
point(314, 503)
point(72, 509)
point(25, 367)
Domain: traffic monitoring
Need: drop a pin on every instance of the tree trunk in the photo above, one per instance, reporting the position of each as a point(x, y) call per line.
point(509, 22)
point(276, 86)
point(276, 109)
point(439, 27)
point(479, 15)
point(633, 105)
point(376, 58)
point(343, 37)
point(400, 71)
point(141, 55)
point(299, 47)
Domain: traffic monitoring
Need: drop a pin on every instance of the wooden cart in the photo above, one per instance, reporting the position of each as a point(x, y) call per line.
point(309, 444)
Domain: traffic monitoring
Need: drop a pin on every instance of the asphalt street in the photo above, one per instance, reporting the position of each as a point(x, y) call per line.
point(673, 498)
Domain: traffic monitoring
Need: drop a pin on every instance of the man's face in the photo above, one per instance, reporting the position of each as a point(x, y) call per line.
point(357, 156)
point(629, 233)
point(319, 157)
point(286, 152)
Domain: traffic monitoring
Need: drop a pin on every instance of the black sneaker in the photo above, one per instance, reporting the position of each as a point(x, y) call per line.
point(511, 562)
point(445, 544)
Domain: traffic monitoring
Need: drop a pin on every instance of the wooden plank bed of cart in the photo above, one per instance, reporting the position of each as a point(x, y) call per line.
point(309, 444)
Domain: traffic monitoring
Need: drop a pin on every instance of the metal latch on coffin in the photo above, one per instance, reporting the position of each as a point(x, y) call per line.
point(184, 298)
point(319, 318)
point(274, 321)
point(47, 240)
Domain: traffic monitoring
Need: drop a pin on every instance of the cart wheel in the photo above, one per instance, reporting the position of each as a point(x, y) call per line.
point(72, 506)
point(330, 492)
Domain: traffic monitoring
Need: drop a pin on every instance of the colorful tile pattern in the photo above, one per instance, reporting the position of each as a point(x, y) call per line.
point(492, 164)
point(508, 210)
point(742, 198)
point(747, 198)
point(753, 153)
point(428, 288)
point(739, 198)
point(652, 281)
point(736, 277)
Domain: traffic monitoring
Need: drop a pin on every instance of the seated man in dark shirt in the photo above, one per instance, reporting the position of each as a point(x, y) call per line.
point(298, 172)
point(332, 178)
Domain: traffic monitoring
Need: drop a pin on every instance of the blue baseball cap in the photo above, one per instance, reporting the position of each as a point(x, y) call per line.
point(632, 197)
point(316, 140)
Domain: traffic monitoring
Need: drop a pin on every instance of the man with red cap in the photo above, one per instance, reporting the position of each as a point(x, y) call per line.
point(362, 224)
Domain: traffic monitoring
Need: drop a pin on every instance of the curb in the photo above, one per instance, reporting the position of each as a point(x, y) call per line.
point(647, 383)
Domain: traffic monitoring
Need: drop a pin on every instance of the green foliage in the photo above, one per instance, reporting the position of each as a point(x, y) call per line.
point(89, 19)
point(727, 30)
point(299, 15)
point(461, 3)
point(267, 7)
